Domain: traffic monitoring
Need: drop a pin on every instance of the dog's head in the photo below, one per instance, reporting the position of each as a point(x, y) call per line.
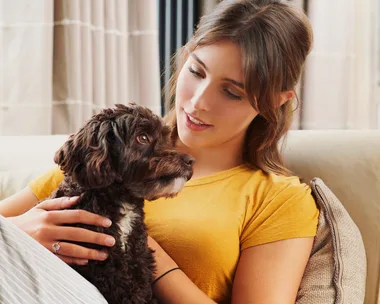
point(128, 146)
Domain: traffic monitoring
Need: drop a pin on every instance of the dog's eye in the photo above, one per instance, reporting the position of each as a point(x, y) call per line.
point(143, 139)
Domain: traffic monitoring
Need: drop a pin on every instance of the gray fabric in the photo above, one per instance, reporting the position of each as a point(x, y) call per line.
point(31, 274)
point(336, 271)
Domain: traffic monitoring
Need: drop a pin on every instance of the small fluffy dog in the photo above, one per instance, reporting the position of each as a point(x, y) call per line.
point(117, 159)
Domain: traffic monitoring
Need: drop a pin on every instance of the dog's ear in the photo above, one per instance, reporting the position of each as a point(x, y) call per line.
point(87, 157)
point(63, 155)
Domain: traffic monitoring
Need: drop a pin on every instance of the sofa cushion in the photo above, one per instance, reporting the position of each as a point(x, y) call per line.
point(348, 161)
point(23, 158)
point(336, 271)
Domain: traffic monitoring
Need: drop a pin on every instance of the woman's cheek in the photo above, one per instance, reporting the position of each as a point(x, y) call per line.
point(185, 86)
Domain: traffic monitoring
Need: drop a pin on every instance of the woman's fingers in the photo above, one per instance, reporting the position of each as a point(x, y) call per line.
point(83, 235)
point(58, 203)
point(79, 253)
point(49, 228)
point(70, 260)
point(59, 217)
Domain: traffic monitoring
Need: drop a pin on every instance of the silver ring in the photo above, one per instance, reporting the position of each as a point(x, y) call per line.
point(56, 246)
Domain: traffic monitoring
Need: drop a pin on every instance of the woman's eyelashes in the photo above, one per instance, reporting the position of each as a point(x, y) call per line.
point(231, 95)
point(195, 72)
point(225, 90)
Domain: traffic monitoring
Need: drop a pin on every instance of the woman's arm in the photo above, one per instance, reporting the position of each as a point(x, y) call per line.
point(174, 287)
point(271, 273)
point(46, 221)
point(18, 203)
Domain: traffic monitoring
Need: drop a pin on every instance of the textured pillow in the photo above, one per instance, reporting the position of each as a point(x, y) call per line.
point(336, 271)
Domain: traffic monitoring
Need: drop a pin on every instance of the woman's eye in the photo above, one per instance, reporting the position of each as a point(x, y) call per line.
point(196, 73)
point(143, 139)
point(232, 95)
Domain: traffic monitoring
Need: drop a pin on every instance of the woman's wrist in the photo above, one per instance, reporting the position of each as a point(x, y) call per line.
point(164, 263)
point(164, 274)
point(176, 287)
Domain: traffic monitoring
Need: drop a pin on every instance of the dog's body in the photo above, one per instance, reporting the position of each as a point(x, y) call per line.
point(113, 169)
point(126, 275)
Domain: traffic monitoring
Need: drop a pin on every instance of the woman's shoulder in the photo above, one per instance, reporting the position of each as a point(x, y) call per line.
point(278, 207)
point(272, 184)
point(274, 191)
point(253, 183)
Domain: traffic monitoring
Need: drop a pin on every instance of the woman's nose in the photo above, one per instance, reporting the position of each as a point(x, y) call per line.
point(201, 99)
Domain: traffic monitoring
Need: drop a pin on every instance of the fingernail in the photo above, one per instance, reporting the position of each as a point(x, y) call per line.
point(110, 241)
point(73, 198)
point(83, 262)
point(107, 223)
point(102, 255)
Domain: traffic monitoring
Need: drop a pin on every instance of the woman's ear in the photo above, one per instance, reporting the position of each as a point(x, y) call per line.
point(286, 96)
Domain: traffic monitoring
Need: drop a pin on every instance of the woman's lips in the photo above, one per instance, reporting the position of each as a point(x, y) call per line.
point(195, 124)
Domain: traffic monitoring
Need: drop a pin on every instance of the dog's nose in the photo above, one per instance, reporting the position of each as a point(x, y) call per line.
point(189, 160)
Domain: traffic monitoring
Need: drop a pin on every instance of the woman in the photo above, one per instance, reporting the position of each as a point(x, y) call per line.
point(242, 229)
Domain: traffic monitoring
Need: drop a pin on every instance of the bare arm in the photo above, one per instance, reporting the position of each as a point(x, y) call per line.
point(18, 203)
point(271, 273)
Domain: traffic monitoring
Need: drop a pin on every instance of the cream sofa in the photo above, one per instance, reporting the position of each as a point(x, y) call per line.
point(347, 161)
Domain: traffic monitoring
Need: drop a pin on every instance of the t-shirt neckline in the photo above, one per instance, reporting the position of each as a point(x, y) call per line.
point(217, 176)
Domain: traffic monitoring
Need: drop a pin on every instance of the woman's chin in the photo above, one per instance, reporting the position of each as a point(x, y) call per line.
point(191, 140)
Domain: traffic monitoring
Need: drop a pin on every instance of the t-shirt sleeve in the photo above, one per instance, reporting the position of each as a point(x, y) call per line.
point(45, 184)
point(287, 211)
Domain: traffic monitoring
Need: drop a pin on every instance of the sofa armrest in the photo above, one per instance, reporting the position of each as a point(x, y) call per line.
point(23, 158)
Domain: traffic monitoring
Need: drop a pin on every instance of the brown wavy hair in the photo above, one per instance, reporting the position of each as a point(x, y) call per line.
point(275, 39)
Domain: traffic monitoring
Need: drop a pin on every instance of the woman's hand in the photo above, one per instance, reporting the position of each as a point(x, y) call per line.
point(44, 223)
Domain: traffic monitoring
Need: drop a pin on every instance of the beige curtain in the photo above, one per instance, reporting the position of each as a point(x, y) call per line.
point(63, 60)
point(338, 74)
point(206, 6)
point(297, 114)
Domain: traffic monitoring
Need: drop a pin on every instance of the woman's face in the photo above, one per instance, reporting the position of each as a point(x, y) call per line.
point(212, 107)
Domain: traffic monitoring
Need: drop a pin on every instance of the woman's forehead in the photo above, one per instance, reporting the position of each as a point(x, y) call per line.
point(223, 56)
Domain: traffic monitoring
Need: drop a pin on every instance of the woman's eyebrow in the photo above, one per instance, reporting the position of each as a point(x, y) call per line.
point(200, 61)
point(237, 83)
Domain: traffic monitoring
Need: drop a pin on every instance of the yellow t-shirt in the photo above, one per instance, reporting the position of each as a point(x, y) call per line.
point(205, 227)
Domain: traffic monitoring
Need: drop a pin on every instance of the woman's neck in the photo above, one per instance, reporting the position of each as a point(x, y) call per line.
point(210, 161)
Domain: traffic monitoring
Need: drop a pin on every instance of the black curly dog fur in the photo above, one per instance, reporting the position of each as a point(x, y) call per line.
point(120, 157)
